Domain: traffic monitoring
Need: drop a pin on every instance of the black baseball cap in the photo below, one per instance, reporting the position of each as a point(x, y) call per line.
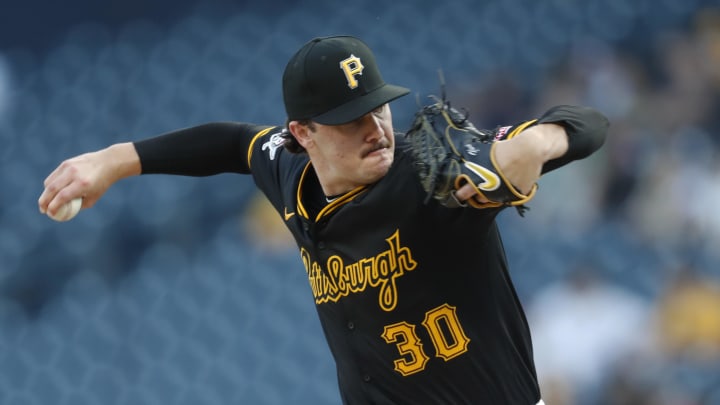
point(335, 80)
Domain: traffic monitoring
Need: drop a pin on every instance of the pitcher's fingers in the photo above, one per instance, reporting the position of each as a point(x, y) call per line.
point(56, 183)
point(62, 168)
point(71, 191)
point(464, 192)
point(467, 191)
point(51, 187)
point(47, 195)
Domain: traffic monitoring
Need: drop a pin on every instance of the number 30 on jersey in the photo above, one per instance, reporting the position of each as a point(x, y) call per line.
point(446, 334)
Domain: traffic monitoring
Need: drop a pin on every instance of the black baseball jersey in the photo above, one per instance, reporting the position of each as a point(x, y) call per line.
point(414, 298)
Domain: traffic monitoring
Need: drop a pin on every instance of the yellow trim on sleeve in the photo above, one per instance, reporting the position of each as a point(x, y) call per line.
point(522, 197)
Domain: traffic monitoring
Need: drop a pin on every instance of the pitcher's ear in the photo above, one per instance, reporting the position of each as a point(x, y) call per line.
point(301, 132)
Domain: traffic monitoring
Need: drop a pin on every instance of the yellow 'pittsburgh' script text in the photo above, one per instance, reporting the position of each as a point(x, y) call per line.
point(341, 279)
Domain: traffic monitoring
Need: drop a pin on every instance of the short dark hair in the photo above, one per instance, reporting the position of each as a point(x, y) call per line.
point(290, 143)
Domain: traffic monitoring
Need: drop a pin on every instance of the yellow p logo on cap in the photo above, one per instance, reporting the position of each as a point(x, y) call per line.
point(352, 66)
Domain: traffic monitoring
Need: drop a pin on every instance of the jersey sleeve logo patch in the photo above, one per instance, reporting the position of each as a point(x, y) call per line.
point(275, 142)
point(501, 132)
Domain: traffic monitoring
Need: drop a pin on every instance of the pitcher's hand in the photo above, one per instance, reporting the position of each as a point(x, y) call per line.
point(88, 176)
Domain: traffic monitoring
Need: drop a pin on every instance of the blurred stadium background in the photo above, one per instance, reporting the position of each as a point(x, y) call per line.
point(183, 290)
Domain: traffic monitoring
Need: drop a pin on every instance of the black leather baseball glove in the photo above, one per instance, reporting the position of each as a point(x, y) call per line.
point(449, 151)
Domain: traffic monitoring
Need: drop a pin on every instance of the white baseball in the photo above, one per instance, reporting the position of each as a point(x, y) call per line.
point(67, 211)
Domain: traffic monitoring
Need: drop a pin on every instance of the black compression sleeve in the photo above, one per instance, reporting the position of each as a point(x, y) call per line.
point(586, 129)
point(203, 150)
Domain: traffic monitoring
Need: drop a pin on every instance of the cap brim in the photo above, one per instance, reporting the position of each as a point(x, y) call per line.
point(360, 106)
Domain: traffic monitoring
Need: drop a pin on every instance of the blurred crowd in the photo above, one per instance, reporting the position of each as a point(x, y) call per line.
point(617, 262)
